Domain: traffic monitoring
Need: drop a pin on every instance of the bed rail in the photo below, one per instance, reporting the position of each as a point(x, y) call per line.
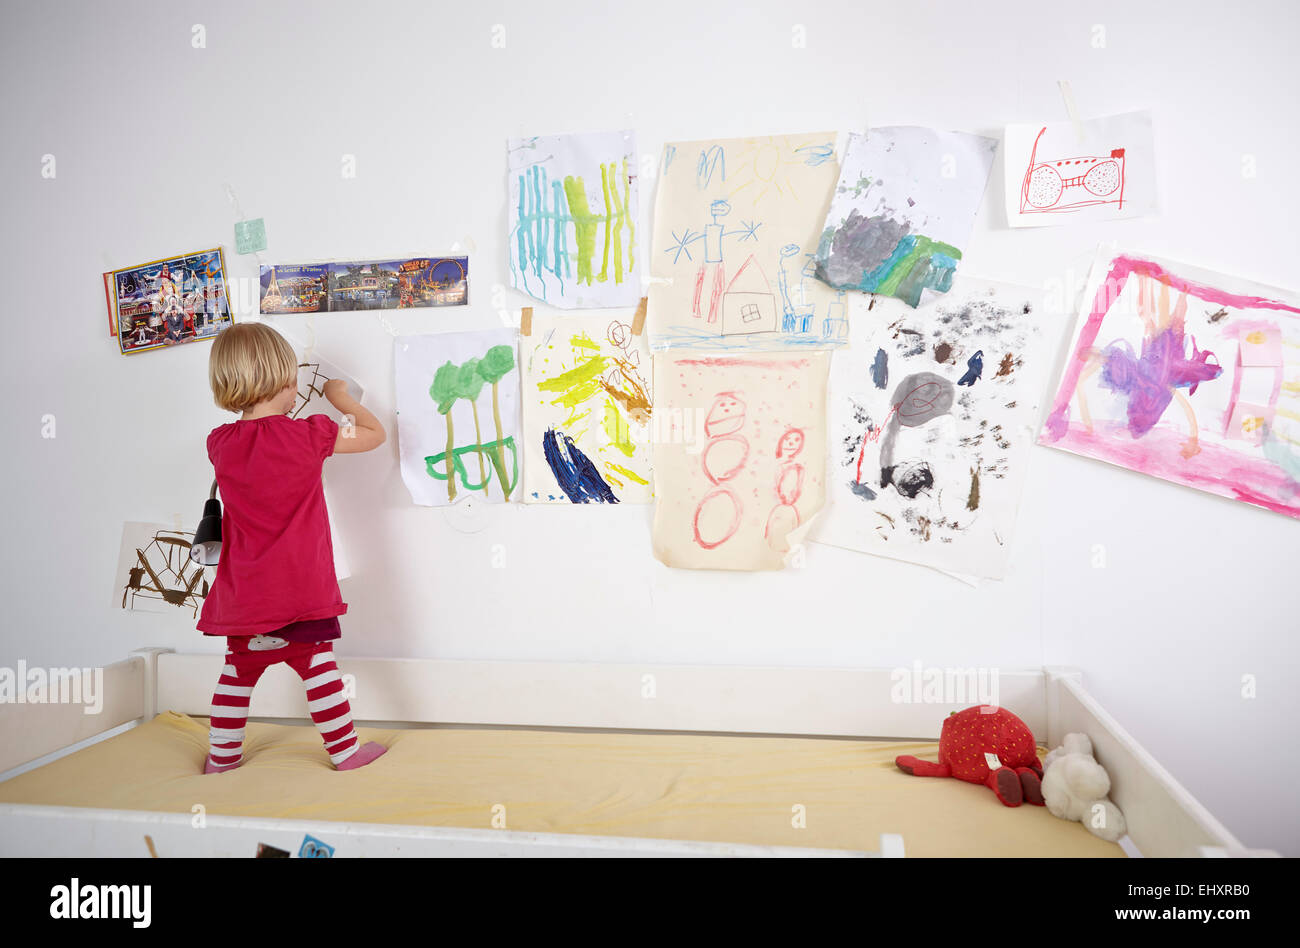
point(1163, 818)
point(836, 702)
point(86, 832)
point(70, 706)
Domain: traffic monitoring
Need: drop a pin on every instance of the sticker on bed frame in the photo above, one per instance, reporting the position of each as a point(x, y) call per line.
point(313, 848)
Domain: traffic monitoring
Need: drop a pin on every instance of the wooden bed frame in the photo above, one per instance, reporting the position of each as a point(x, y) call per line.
point(1163, 818)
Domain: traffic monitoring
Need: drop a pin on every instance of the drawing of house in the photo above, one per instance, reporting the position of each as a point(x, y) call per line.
point(748, 305)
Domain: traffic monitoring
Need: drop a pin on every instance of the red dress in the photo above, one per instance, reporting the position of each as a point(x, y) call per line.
point(277, 558)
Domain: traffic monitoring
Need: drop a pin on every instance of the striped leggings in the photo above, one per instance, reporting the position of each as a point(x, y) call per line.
point(314, 663)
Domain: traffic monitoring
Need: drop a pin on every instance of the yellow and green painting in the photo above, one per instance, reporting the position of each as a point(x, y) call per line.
point(587, 411)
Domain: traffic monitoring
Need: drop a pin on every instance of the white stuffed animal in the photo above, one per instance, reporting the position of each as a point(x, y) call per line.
point(1075, 787)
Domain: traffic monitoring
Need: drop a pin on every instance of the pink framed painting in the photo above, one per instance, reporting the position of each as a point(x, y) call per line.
point(1186, 375)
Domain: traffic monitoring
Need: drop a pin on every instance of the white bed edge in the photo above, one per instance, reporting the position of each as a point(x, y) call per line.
point(1164, 819)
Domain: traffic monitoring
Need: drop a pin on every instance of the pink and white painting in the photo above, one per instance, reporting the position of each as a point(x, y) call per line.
point(740, 457)
point(1186, 375)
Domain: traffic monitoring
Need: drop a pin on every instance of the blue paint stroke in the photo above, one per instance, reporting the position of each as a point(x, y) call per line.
point(540, 243)
point(573, 470)
point(862, 490)
point(880, 369)
point(974, 369)
point(878, 254)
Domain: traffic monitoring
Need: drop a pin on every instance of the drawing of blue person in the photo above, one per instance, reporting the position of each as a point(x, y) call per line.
point(796, 316)
point(799, 308)
point(836, 324)
point(713, 235)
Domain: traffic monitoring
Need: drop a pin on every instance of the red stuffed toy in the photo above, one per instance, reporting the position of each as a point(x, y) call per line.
point(973, 741)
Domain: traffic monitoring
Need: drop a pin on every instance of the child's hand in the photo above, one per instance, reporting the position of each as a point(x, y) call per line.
point(361, 430)
point(336, 393)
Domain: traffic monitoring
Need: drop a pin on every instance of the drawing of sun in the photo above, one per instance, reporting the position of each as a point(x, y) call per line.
point(764, 168)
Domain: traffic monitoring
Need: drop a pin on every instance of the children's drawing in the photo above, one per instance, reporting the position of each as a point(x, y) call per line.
point(573, 218)
point(1102, 169)
point(1067, 184)
point(740, 445)
point(736, 227)
point(457, 416)
point(168, 302)
point(313, 373)
point(413, 282)
point(902, 210)
point(1186, 375)
point(587, 411)
point(155, 572)
point(930, 426)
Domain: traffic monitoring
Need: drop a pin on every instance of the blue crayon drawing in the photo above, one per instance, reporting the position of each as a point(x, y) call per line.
point(814, 155)
point(733, 264)
point(713, 160)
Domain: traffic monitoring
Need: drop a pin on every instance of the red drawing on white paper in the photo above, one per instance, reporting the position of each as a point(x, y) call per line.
point(1069, 184)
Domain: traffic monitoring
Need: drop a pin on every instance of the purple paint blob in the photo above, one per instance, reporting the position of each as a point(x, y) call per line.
point(1149, 380)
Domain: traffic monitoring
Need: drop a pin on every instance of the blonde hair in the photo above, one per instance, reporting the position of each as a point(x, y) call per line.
point(249, 363)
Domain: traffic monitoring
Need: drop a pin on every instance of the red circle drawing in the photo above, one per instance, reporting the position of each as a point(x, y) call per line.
point(920, 400)
point(727, 532)
point(726, 416)
point(728, 469)
point(789, 484)
point(1102, 179)
point(1045, 187)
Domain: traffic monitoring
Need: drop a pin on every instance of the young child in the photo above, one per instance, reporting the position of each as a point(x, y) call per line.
point(276, 597)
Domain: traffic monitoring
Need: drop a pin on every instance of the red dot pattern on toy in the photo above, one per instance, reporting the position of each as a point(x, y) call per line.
point(968, 735)
point(969, 739)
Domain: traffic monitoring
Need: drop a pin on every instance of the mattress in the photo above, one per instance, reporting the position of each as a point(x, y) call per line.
point(825, 793)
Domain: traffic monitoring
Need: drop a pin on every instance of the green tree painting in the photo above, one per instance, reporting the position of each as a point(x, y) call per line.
point(496, 362)
point(445, 390)
point(453, 383)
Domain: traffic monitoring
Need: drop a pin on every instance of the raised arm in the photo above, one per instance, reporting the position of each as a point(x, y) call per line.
point(365, 433)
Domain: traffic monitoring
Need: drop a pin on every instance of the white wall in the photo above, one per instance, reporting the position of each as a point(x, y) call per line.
point(1195, 592)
